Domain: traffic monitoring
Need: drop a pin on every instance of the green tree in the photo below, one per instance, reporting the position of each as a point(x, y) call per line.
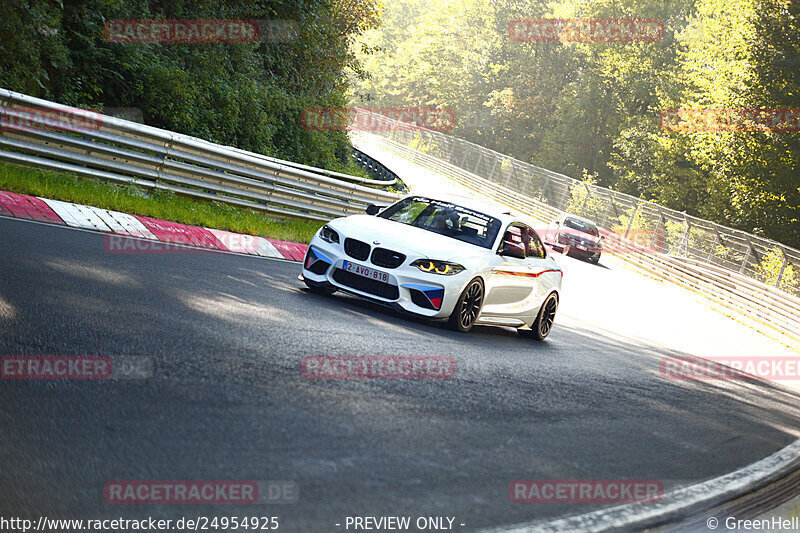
point(249, 95)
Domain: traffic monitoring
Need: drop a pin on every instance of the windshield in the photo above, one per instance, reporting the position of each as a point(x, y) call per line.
point(581, 226)
point(445, 218)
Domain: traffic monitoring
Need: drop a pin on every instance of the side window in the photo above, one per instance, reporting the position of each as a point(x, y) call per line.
point(533, 245)
point(526, 238)
point(514, 235)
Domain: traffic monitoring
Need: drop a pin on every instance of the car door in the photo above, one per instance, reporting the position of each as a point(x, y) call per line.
point(508, 286)
point(538, 265)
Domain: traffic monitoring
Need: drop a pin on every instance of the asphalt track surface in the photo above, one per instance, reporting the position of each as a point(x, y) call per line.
point(227, 401)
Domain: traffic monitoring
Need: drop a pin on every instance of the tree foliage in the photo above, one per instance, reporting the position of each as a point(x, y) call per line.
point(593, 107)
point(248, 95)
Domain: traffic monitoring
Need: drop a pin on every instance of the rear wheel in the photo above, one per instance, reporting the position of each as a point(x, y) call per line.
point(468, 306)
point(544, 321)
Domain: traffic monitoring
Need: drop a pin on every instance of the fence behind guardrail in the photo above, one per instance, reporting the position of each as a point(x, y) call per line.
point(48, 135)
point(646, 223)
point(754, 277)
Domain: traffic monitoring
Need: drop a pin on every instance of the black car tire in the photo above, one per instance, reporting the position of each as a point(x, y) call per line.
point(543, 324)
point(468, 307)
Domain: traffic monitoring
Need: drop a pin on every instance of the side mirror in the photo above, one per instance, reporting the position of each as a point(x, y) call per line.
point(511, 249)
point(373, 209)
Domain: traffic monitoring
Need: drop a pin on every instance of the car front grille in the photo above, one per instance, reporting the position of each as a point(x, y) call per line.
point(370, 286)
point(387, 258)
point(356, 249)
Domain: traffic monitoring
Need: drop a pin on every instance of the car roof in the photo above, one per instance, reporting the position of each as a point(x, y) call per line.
point(504, 214)
point(577, 217)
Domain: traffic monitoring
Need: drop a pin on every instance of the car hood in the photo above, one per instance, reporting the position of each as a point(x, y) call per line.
point(416, 243)
point(581, 236)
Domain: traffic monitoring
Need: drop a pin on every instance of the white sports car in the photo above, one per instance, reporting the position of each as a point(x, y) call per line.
point(442, 260)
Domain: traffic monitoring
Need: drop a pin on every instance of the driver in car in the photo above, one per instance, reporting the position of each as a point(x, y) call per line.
point(446, 221)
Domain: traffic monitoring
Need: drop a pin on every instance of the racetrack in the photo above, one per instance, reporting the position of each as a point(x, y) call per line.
point(227, 401)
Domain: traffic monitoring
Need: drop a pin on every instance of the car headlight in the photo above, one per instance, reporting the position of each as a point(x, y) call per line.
point(432, 266)
point(327, 234)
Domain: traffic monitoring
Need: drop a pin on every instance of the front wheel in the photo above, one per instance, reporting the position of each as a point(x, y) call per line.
point(544, 321)
point(469, 305)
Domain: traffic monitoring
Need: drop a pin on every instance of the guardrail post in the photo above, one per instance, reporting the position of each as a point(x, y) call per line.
point(511, 174)
point(783, 268)
point(164, 156)
point(630, 222)
point(452, 150)
point(661, 231)
point(464, 158)
point(544, 188)
point(687, 235)
point(478, 162)
point(494, 167)
point(746, 259)
point(442, 143)
point(713, 245)
point(685, 241)
point(585, 200)
point(611, 205)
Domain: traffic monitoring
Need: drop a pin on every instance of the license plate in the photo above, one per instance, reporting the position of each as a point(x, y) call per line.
point(581, 247)
point(367, 272)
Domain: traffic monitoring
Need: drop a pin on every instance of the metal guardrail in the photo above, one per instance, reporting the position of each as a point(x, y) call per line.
point(672, 232)
point(763, 306)
point(48, 135)
point(374, 167)
point(388, 182)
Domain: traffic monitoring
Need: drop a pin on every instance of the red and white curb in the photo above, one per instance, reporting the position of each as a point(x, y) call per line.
point(141, 227)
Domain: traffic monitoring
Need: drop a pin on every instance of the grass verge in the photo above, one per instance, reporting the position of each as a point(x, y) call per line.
point(157, 204)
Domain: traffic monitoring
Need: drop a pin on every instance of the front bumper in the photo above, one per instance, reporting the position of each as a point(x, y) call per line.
point(408, 288)
point(583, 251)
point(578, 247)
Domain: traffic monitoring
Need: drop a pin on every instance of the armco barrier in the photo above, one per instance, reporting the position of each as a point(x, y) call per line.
point(762, 305)
point(375, 168)
point(48, 135)
point(680, 234)
point(477, 184)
